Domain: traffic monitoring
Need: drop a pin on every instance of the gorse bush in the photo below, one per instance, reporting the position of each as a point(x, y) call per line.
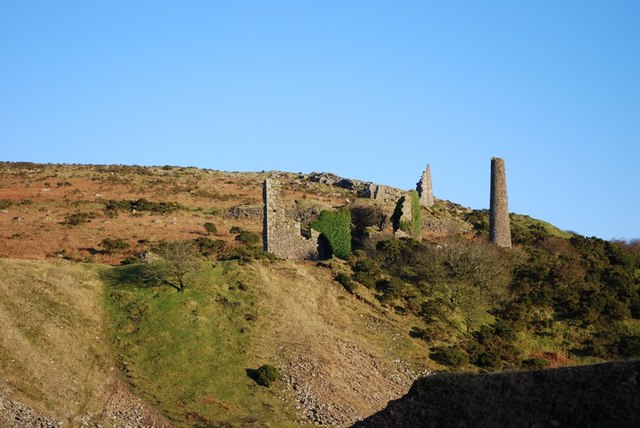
point(113, 206)
point(79, 218)
point(246, 254)
point(453, 356)
point(266, 374)
point(114, 245)
point(248, 238)
point(208, 247)
point(210, 227)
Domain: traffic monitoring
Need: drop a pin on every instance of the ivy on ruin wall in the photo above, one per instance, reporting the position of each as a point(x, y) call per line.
point(416, 214)
point(336, 227)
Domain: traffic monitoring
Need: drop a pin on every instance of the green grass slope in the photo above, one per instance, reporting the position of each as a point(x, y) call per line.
point(189, 353)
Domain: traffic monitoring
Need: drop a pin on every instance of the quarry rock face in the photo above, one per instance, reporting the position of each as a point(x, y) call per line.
point(499, 224)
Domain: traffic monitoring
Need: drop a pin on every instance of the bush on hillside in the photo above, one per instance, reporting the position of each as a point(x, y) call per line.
point(208, 247)
point(113, 207)
point(453, 356)
point(265, 375)
point(79, 218)
point(210, 227)
point(114, 245)
point(248, 238)
point(246, 254)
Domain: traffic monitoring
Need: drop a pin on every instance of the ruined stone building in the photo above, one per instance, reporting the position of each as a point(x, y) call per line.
point(425, 188)
point(282, 235)
point(499, 224)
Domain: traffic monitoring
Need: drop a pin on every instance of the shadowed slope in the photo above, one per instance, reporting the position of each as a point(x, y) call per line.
point(602, 395)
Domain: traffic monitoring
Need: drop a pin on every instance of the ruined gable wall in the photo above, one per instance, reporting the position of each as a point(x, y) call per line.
point(425, 188)
point(281, 235)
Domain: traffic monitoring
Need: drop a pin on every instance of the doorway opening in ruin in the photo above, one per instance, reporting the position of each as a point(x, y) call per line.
point(324, 248)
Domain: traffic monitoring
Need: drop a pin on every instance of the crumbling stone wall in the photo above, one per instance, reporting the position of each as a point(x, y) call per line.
point(384, 193)
point(499, 224)
point(280, 234)
point(425, 188)
point(402, 214)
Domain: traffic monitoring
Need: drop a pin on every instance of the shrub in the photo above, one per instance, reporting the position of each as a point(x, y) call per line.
point(479, 219)
point(336, 227)
point(210, 227)
point(367, 216)
point(208, 246)
point(535, 364)
point(453, 356)
point(366, 270)
point(247, 254)
point(629, 346)
point(266, 374)
point(5, 203)
point(76, 219)
point(112, 246)
point(248, 238)
point(114, 206)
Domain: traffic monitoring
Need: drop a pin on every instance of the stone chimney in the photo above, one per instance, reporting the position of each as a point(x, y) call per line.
point(499, 225)
point(425, 188)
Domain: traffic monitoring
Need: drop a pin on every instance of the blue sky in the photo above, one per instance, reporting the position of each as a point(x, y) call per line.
point(365, 89)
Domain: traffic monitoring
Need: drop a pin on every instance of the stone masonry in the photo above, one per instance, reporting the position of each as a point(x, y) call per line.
point(499, 225)
point(425, 188)
point(383, 193)
point(281, 235)
point(403, 212)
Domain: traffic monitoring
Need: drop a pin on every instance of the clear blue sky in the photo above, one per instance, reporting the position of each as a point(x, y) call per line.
point(365, 89)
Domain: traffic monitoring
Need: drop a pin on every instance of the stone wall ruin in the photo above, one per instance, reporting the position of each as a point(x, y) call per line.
point(425, 188)
point(282, 235)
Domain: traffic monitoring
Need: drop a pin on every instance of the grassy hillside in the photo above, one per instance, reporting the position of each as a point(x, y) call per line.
point(55, 359)
point(89, 340)
point(188, 353)
point(52, 349)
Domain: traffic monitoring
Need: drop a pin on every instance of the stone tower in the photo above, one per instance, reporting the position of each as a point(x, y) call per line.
point(499, 226)
point(425, 188)
point(271, 214)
